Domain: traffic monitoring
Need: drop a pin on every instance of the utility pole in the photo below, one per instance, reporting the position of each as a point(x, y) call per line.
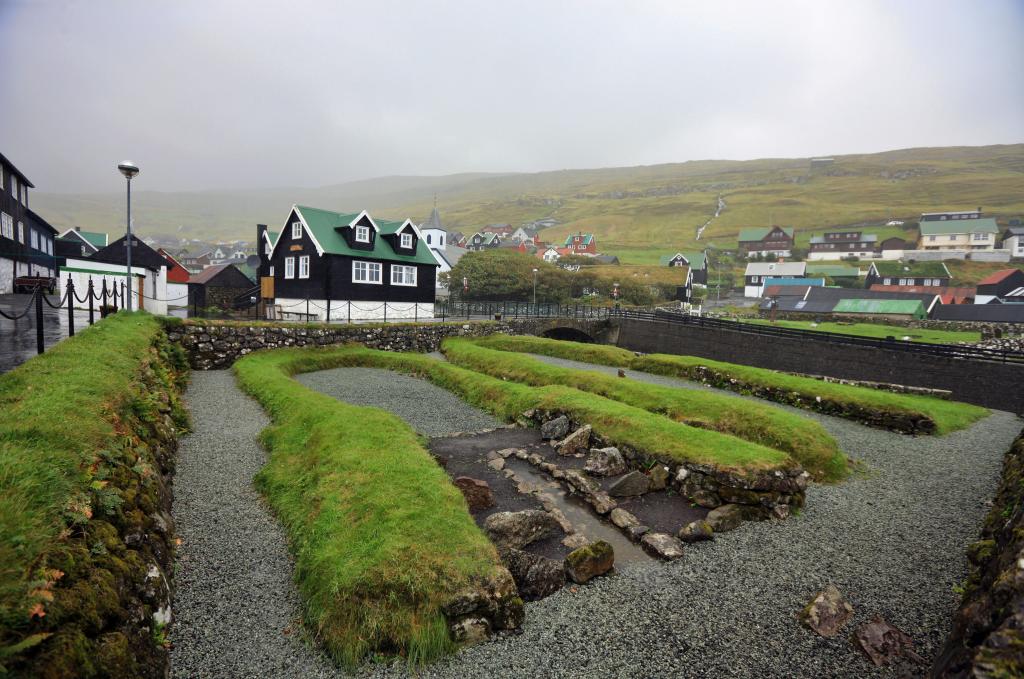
point(129, 170)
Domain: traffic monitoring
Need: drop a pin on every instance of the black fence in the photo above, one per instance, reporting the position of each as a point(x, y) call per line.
point(103, 302)
point(955, 351)
point(490, 310)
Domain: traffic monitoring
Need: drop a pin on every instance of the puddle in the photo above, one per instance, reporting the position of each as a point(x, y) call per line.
point(579, 514)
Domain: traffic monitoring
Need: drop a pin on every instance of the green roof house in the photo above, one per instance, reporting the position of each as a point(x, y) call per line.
point(93, 241)
point(957, 231)
point(328, 265)
point(933, 274)
point(768, 241)
point(697, 261)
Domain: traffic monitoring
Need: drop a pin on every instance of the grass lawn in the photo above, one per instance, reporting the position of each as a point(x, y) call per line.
point(806, 440)
point(836, 399)
point(68, 459)
point(382, 538)
point(878, 331)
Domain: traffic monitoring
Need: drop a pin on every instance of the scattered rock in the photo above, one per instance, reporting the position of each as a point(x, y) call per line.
point(518, 529)
point(497, 464)
point(534, 459)
point(633, 483)
point(588, 562)
point(555, 429)
point(662, 545)
point(471, 631)
point(706, 498)
point(575, 443)
point(634, 533)
point(478, 494)
point(725, 518)
point(575, 541)
point(622, 373)
point(601, 502)
point(659, 477)
point(827, 612)
point(781, 511)
point(536, 576)
point(507, 452)
point(605, 462)
point(623, 519)
point(696, 531)
point(882, 642)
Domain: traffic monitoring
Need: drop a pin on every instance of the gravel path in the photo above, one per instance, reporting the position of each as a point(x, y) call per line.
point(236, 610)
point(430, 410)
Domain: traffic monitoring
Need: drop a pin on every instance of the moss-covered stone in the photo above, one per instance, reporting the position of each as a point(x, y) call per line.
point(589, 561)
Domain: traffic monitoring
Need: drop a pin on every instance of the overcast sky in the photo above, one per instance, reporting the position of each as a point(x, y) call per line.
point(207, 94)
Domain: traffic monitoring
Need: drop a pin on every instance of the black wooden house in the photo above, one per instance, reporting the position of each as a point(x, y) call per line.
point(26, 239)
point(349, 264)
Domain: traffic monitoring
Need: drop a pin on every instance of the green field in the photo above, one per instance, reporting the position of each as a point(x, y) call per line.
point(878, 331)
point(637, 213)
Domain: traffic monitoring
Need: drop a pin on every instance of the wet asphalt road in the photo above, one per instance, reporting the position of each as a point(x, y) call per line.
point(18, 338)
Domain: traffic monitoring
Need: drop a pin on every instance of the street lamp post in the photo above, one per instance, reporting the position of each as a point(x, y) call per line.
point(535, 270)
point(129, 170)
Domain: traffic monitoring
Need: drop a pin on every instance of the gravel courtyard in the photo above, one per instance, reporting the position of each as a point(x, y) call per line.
point(892, 538)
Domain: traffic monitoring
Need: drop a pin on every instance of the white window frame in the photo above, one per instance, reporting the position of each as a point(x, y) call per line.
point(21, 232)
point(6, 226)
point(755, 279)
point(362, 234)
point(364, 272)
point(271, 270)
point(404, 275)
point(289, 267)
point(304, 266)
point(296, 230)
point(33, 239)
point(406, 240)
point(14, 187)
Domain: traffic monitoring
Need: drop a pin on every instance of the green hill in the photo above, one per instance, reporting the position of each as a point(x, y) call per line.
point(636, 212)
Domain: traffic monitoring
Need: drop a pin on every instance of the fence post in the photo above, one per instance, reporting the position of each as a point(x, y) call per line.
point(70, 292)
point(307, 309)
point(91, 317)
point(328, 309)
point(416, 312)
point(350, 312)
point(385, 312)
point(39, 319)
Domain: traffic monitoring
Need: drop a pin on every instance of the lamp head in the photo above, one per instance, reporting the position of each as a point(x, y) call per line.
point(128, 168)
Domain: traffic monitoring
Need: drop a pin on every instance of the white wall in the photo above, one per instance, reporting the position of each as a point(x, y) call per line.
point(177, 294)
point(154, 284)
point(295, 310)
point(6, 276)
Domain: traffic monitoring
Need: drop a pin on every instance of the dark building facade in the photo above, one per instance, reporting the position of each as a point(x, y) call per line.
point(352, 261)
point(26, 239)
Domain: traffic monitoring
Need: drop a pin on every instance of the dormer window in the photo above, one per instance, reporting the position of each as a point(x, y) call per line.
point(363, 234)
point(296, 230)
point(406, 240)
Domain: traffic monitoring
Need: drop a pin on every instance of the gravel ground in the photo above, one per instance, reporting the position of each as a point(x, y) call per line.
point(892, 539)
point(235, 607)
point(428, 409)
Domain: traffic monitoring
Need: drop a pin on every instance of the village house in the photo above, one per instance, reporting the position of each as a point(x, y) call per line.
point(774, 241)
point(77, 243)
point(931, 274)
point(581, 243)
point(1006, 285)
point(219, 286)
point(697, 261)
point(483, 240)
point(821, 301)
point(840, 244)
point(839, 274)
point(26, 239)
point(446, 253)
point(893, 248)
point(348, 266)
point(1013, 240)
point(966, 230)
point(948, 295)
point(758, 272)
point(177, 279)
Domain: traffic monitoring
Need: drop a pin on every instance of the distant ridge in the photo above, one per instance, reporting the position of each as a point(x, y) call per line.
point(630, 209)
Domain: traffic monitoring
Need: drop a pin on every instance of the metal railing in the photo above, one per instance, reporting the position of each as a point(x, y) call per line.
point(110, 301)
point(952, 351)
point(506, 310)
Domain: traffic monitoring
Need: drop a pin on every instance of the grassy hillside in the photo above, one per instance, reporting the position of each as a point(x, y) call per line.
point(636, 212)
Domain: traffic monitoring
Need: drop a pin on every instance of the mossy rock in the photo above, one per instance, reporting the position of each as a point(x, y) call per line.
point(589, 561)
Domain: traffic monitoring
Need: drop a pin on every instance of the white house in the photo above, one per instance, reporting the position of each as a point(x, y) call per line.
point(434, 233)
point(1013, 240)
point(152, 285)
point(550, 255)
point(756, 273)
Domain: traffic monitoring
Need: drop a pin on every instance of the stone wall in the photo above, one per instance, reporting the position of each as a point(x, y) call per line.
point(985, 383)
point(212, 345)
point(983, 327)
point(987, 639)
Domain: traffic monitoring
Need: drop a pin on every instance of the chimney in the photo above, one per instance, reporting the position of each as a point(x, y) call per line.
point(261, 250)
point(78, 228)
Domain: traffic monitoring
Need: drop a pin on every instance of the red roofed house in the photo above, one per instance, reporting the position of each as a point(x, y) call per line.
point(1004, 285)
point(177, 280)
